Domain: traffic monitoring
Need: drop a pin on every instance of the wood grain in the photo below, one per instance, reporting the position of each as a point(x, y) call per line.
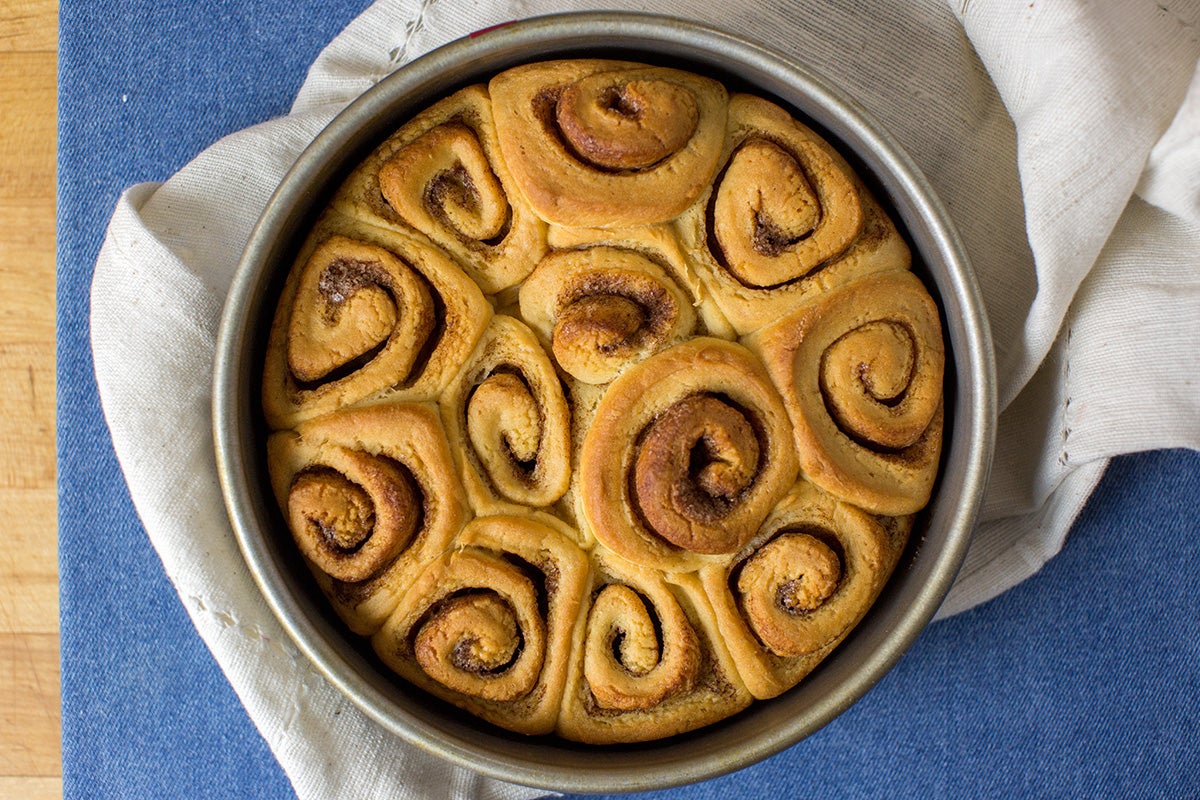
point(30, 715)
point(28, 26)
point(29, 667)
point(31, 788)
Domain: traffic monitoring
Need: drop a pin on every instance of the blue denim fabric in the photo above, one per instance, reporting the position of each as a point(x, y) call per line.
point(1082, 682)
point(143, 87)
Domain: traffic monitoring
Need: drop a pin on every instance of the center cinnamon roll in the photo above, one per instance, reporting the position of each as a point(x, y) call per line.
point(694, 464)
point(683, 459)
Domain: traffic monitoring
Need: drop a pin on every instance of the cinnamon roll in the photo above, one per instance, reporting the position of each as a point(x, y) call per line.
point(507, 412)
point(602, 143)
point(488, 625)
point(660, 245)
point(370, 496)
point(785, 219)
point(648, 660)
point(686, 456)
point(801, 585)
point(367, 313)
point(443, 174)
point(603, 308)
point(860, 370)
point(602, 400)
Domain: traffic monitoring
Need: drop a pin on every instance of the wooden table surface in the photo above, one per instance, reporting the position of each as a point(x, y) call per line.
point(30, 716)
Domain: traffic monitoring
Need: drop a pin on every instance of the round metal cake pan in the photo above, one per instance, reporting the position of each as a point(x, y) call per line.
point(910, 599)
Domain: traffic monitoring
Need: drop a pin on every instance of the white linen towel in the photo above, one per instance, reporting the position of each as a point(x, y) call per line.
point(1063, 138)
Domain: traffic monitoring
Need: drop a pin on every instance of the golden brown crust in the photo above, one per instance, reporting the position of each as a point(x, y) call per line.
point(509, 421)
point(602, 400)
point(602, 308)
point(660, 245)
point(805, 581)
point(602, 143)
point(651, 505)
point(443, 175)
point(488, 625)
point(860, 370)
point(785, 219)
point(647, 661)
point(388, 465)
point(412, 316)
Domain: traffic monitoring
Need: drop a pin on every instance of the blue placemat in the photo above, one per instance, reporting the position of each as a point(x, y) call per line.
point(1084, 681)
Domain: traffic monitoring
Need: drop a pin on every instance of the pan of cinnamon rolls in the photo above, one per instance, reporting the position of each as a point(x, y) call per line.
point(603, 400)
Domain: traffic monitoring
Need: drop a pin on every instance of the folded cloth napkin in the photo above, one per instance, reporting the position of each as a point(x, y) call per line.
point(1064, 138)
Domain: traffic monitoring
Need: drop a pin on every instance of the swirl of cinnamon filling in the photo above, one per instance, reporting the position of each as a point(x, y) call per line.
point(861, 373)
point(370, 496)
point(695, 462)
point(778, 214)
point(510, 405)
point(785, 581)
point(625, 125)
point(444, 177)
point(486, 643)
point(368, 313)
point(487, 626)
point(442, 174)
point(356, 304)
point(602, 308)
point(686, 456)
point(810, 575)
point(648, 660)
point(353, 514)
point(628, 663)
point(785, 219)
point(608, 143)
